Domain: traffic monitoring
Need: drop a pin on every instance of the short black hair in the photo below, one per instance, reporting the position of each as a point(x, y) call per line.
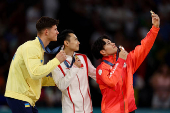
point(98, 45)
point(64, 35)
point(45, 22)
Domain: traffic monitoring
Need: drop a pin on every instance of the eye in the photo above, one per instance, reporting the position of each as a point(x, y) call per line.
point(108, 43)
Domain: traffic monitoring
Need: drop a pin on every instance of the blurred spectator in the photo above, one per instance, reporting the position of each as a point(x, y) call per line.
point(33, 13)
point(11, 37)
point(51, 8)
point(160, 82)
point(5, 59)
point(4, 66)
point(112, 16)
point(17, 18)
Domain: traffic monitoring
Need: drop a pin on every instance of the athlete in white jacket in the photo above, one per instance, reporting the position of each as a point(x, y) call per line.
point(71, 77)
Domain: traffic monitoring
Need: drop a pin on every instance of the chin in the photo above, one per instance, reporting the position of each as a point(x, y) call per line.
point(114, 52)
point(55, 40)
point(77, 49)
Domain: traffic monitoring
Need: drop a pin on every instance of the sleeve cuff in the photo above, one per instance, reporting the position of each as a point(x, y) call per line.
point(155, 29)
point(56, 61)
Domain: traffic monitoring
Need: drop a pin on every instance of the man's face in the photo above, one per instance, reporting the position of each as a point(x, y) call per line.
point(109, 48)
point(53, 32)
point(73, 44)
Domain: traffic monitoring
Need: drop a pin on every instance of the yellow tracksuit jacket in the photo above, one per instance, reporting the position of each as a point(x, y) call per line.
point(27, 73)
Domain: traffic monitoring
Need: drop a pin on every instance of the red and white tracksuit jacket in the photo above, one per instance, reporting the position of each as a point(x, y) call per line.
point(74, 85)
point(116, 83)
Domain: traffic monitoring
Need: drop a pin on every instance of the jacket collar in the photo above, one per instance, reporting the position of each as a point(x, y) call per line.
point(37, 41)
point(110, 58)
point(70, 58)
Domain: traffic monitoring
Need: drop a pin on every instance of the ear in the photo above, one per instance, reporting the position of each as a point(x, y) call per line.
point(103, 52)
point(46, 32)
point(66, 43)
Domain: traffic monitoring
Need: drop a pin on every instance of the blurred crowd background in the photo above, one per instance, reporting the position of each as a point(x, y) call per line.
point(125, 21)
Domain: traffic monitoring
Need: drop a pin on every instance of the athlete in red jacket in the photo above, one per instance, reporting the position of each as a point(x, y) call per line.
point(115, 74)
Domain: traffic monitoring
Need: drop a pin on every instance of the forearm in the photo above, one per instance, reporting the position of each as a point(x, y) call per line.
point(40, 71)
point(141, 51)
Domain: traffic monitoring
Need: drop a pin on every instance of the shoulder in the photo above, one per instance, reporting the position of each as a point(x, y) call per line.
point(32, 44)
point(80, 54)
point(103, 66)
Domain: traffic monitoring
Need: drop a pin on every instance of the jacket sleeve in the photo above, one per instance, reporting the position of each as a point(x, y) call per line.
point(36, 69)
point(63, 81)
point(141, 51)
point(111, 76)
point(91, 70)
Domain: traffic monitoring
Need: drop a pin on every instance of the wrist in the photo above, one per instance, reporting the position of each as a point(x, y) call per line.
point(157, 26)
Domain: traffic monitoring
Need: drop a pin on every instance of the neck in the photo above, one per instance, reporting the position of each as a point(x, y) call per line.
point(108, 55)
point(44, 40)
point(69, 52)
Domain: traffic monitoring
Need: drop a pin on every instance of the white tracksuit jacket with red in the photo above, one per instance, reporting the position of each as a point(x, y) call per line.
point(74, 85)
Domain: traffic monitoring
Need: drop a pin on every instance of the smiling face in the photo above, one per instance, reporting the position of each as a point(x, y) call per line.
point(72, 43)
point(109, 48)
point(52, 33)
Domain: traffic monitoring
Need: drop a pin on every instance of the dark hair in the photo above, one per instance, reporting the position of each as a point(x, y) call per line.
point(45, 22)
point(64, 35)
point(98, 45)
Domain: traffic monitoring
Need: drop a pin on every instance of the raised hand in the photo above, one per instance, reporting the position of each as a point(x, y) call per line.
point(123, 53)
point(155, 19)
point(61, 56)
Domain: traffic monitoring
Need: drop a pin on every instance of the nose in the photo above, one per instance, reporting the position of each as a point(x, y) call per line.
point(57, 32)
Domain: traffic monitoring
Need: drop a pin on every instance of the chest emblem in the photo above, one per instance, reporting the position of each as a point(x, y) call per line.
point(124, 65)
point(100, 71)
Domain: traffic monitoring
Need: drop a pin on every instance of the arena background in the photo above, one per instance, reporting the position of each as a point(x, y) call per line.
point(125, 21)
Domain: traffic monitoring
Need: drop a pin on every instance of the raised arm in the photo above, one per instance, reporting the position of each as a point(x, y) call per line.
point(141, 51)
point(34, 65)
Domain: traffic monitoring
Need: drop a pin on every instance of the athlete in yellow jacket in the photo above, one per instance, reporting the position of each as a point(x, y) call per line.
point(27, 73)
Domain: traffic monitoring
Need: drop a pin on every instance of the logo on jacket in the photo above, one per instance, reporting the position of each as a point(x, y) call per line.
point(100, 71)
point(124, 65)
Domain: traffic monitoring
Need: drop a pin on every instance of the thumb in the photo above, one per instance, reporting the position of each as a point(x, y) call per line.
point(121, 48)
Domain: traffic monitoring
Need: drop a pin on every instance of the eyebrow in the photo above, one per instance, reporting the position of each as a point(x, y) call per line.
point(75, 37)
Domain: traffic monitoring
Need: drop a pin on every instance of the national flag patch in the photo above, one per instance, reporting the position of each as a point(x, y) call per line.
point(27, 105)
